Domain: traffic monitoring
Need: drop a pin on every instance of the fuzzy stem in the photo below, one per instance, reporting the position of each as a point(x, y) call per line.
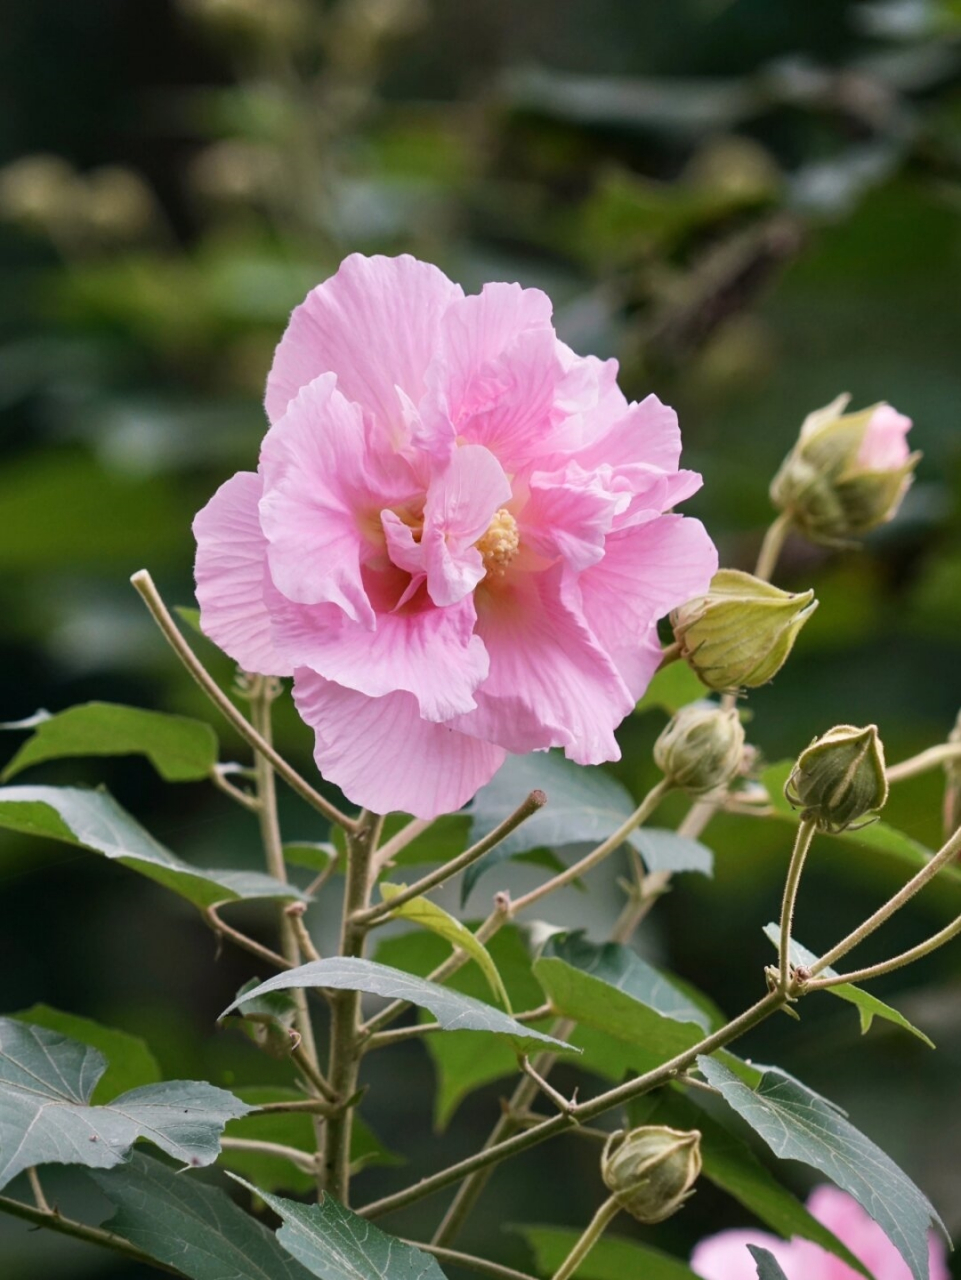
point(261, 704)
point(945, 855)
point(888, 966)
point(624, 1093)
point(772, 546)
point(592, 1233)
point(345, 1008)
point(224, 930)
point(301, 1159)
point(470, 1262)
point(144, 585)
point(596, 856)
point(81, 1231)
point(524, 1094)
point(505, 910)
point(374, 915)
point(925, 760)
point(802, 843)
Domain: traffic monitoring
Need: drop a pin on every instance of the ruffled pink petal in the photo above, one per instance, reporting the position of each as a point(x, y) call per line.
point(402, 549)
point(508, 405)
point(477, 330)
point(384, 756)
point(884, 447)
point(725, 1256)
point(230, 567)
point(428, 652)
point(550, 684)
point(646, 432)
point(647, 570)
point(376, 324)
point(460, 506)
point(569, 515)
point(324, 489)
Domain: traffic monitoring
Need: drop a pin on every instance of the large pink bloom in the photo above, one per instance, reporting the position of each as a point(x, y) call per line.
point(455, 540)
point(725, 1256)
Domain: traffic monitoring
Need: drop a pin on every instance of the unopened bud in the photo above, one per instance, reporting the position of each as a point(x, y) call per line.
point(701, 749)
point(840, 778)
point(650, 1171)
point(740, 634)
point(847, 473)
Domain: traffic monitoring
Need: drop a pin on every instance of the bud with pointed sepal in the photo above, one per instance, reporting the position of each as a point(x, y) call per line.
point(701, 749)
point(847, 473)
point(840, 778)
point(740, 634)
point(650, 1171)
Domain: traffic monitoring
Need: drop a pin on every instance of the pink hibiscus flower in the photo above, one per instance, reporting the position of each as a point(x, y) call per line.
point(725, 1256)
point(455, 540)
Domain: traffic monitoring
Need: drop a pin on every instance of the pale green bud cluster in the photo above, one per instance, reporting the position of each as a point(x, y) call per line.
point(840, 778)
point(830, 495)
point(650, 1171)
point(701, 749)
point(741, 633)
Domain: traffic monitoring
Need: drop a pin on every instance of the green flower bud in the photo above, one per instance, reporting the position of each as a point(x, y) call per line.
point(840, 778)
point(650, 1171)
point(701, 748)
point(740, 634)
point(847, 473)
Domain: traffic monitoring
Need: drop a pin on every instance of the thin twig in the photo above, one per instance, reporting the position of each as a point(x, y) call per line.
point(405, 836)
point(222, 783)
point(373, 915)
point(470, 1262)
point(34, 1179)
point(316, 1105)
point(144, 585)
point(293, 1155)
point(888, 966)
point(930, 759)
point(55, 1221)
point(295, 913)
point(220, 927)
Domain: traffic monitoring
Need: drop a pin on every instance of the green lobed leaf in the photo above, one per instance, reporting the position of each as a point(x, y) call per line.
point(129, 1062)
point(451, 1009)
point(335, 1244)
point(612, 1258)
point(93, 820)
point(430, 916)
point(584, 806)
point(868, 1006)
point(768, 1267)
point(292, 1129)
point(731, 1165)
point(798, 1125)
point(180, 749)
point(619, 966)
point(620, 995)
point(673, 687)
point(185, 1223)
point(46, 1082)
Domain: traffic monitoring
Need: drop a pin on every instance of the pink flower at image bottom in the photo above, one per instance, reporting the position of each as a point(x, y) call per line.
point(726, 1257)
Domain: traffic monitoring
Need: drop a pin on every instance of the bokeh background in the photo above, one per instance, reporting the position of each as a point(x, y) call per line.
point(753, 204)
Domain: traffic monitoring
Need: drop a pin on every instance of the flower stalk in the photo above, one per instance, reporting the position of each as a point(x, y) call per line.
point(592, 1233)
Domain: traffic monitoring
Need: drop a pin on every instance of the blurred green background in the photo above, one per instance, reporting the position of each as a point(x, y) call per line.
point(753, 204)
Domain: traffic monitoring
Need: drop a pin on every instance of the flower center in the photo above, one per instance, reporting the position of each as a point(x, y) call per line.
point(499, 545)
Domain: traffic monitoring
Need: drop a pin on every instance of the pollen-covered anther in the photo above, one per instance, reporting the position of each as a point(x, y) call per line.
point(499, 545)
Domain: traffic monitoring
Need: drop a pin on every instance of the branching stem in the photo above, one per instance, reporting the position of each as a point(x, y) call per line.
point(55, 1221)
point(802, 843)
point(144, 585)
point(374, 915)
